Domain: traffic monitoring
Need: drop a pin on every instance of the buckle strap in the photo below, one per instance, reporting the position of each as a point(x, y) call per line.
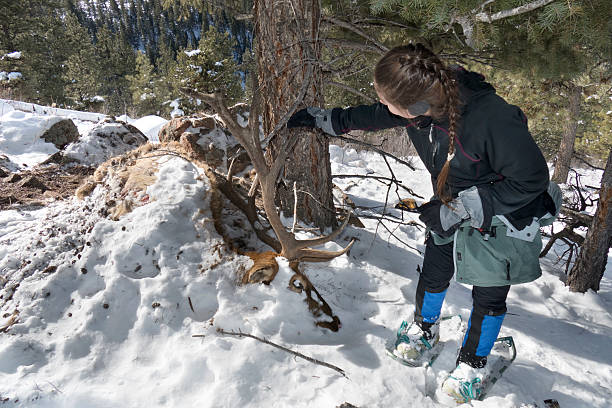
point(466, 388)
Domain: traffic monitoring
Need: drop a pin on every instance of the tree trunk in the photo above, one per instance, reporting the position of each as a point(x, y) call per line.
point(286, 42)
point(590, 266)
point(566, 150)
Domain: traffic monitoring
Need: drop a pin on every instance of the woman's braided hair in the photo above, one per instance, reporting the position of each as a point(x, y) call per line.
point(412, 73)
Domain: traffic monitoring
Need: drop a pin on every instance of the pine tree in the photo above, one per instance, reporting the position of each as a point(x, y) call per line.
point(211, 67)
point(143, 85)
point(118, 62)
point(83, 66)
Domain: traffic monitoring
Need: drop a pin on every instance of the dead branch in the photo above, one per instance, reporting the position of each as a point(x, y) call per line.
point(351, 27)
point(570, 236)
point(478, 14)
point(353, 45)
point(583, 159)
point(352, 90)
point(305, 357)
point(370, 146)
point(396, 237)
point(575, 218)
point(377, 22)
point(525, 8)
point(381, 179)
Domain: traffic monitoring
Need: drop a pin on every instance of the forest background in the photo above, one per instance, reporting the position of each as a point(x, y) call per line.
point(133, 56)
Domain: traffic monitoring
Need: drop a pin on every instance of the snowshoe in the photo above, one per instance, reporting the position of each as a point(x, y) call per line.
point(466, 383)
point(414, 346)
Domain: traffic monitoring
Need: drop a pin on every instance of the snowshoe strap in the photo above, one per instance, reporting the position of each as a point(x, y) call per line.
point(403, 338)
point(467, 390)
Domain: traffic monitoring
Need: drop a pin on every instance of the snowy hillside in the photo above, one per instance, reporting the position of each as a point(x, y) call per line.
point(105, 312)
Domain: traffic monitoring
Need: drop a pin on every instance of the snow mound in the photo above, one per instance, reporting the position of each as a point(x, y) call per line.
point(105, 140)
point(150, 126)
point(20, 137)
point(97, 297)
point(5, 108)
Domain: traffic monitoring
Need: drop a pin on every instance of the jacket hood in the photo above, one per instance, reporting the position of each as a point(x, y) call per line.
point(472, 85)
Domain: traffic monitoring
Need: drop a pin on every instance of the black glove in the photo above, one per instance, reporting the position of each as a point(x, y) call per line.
point(301, 118)
point(479, 205)
point(443, 219)
point(312, 117)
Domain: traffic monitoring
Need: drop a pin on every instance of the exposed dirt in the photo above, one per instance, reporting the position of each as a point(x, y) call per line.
point(40, 185)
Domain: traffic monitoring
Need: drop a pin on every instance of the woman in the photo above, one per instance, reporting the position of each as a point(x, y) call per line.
point(490, 181)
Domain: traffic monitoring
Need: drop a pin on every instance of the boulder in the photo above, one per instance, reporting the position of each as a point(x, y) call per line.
point(33, 182)
point(13, 178)
point(213, 156)
point(173, 130)
point(61, 133)
point(206, 122)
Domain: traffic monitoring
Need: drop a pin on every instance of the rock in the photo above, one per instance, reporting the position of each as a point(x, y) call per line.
point(8, 200)
point(173, 130)
point(3, 173)
point(210, 154)
point(33, 182)
point(13, 178)
point(206, 122)
point(61, 133)
point(133, 132)
point(7, 165)
point(59, 158)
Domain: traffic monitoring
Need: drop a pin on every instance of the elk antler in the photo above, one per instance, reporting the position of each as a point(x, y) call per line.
point(291, 248)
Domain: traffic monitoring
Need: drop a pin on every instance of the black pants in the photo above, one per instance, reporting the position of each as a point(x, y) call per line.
point(489, 303)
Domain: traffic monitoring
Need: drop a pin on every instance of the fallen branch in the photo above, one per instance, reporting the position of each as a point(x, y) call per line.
point(370, 146)
point(378, 178)
point(312, 360)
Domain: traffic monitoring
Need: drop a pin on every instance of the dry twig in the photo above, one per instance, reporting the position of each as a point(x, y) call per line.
point(312, 360)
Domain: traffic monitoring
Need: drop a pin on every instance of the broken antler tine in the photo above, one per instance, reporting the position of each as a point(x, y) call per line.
point(318, 255)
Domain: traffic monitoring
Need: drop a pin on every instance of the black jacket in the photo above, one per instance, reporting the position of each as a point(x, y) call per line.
point(493, 147)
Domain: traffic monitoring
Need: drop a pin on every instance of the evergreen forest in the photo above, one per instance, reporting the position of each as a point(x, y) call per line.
point(133, 56)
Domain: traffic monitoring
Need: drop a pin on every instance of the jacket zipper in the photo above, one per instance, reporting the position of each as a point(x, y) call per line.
point(507, 270)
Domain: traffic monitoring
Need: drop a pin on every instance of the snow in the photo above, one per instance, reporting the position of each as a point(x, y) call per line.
point(176, 111)
point(14, 75)
point(113, 325)
point(103, 141)
point(5, 108)
point(196, 68)
point(193, 52)
point(10, 76)
point(20, 140)
point(13, 55)
point(97, 98)
point(150, 126)
point(46, 110)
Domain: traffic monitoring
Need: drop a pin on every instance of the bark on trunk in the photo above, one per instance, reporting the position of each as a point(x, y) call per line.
point(591, 263)
point(286, 38)
point(566, 150)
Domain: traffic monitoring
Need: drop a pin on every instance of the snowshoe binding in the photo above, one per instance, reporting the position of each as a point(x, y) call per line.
point(466, 383)
point(414, 343)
